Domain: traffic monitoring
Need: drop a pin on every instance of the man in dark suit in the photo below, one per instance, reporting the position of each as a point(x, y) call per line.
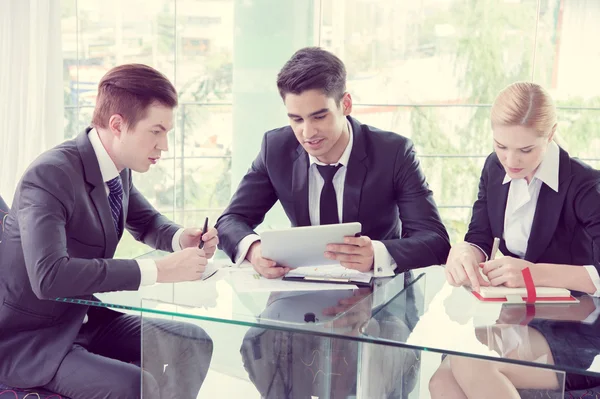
point(327, 167)
point(68, 214)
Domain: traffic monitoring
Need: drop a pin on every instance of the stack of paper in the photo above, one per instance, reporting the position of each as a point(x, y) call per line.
point(247, 280)
point(331, 273)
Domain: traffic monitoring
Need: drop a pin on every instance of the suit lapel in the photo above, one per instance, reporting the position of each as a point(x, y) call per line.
point(355, 175)
point(98, 192)
point(300, 187)
point(497, 197)
point(100, 200)
point(548, 211)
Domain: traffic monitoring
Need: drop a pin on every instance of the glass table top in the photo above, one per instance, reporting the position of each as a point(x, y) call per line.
point(432, 315)
point(238, 295)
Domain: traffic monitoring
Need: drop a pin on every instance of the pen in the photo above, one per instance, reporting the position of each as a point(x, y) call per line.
point(204, 231)
point(495, 248)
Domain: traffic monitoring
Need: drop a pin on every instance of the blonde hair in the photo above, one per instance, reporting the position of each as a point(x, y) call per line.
point(525, 104)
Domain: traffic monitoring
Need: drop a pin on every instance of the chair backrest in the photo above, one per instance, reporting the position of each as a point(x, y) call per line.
point(3, 214)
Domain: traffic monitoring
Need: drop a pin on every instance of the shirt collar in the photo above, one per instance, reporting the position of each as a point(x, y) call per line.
point(345, 156)
point(107, 166)
point(547, 172)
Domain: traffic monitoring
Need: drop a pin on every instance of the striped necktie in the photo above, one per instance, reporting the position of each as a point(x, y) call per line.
point(115, 200)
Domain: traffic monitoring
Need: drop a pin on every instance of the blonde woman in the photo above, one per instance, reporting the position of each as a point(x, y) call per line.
point(544, 206)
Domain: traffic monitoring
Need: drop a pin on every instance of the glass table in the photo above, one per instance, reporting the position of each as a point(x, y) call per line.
point(278, 339)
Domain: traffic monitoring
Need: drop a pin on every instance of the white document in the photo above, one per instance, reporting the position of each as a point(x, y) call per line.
point(332, 272)
point(213, 266)
point(248, 280)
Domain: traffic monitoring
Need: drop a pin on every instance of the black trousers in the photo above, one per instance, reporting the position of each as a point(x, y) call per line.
point(107, 360)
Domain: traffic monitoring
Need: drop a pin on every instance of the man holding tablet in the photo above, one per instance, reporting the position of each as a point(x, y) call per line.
point(327, 168)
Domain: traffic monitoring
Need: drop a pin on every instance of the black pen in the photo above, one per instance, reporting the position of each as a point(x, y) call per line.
point(204, 231)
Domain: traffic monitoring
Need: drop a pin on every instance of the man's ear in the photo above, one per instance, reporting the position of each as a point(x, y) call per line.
point(346, 103)
point(116, 124)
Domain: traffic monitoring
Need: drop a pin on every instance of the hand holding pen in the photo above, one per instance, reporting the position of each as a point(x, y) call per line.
point(204, 231)
point(206, 239)
point(506, 271)
point(209, 239)
point(189, 263)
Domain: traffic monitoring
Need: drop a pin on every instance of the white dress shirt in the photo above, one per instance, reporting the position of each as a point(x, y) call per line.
point(383, 263)
point(522, 202)
point(109, 171)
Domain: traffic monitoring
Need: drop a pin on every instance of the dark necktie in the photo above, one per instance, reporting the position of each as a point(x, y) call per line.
point(328, 205)
point(115, 200)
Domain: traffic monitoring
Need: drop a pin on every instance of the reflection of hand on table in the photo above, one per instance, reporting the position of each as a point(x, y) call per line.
point(355, 311)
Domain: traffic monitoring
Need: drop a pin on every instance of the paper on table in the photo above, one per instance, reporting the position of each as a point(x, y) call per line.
point(212, 267)
point(210, 270)
point(333, 272)
point(248, 280)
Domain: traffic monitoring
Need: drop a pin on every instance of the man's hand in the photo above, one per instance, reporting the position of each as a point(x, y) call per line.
point(185, 265)
point(190, 238)
point(355, 253)
point(265, 267)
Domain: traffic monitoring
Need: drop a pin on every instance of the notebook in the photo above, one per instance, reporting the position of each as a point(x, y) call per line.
point(520, 295)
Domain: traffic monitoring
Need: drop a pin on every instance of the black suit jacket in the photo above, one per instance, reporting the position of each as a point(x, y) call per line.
point(384, 185)
point(566, 225)
point(58, 242)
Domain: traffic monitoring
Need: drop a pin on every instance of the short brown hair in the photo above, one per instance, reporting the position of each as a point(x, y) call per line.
point(525, 104)
point(128, 90)
point(313, 68)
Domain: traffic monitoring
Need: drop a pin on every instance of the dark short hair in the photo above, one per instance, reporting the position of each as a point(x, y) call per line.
point(128, 90)
point(313, 68)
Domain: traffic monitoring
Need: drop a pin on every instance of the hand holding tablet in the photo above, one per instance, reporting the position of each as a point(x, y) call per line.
point(265, 267)
point(307, 246)
point(355, 253)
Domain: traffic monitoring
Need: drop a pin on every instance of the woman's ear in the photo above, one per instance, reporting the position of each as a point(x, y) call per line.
point(552, 132)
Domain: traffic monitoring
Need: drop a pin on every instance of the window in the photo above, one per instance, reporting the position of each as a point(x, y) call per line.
point(428, 70)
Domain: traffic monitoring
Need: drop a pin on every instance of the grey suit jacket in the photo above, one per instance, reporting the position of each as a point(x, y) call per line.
point(58, 242)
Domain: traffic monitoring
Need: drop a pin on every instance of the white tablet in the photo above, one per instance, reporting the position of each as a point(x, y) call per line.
point(305, 246)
